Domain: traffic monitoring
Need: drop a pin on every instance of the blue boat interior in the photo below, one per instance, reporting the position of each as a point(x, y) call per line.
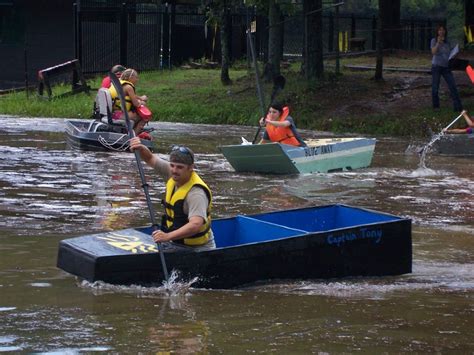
point(283, 224)
point(277, 225)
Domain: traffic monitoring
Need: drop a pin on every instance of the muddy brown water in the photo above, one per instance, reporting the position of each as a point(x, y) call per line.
point(50, 192)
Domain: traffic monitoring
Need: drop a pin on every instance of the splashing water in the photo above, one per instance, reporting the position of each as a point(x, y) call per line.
point(426, 149)
point(173, 287)
point(424, 172)
point(176, 287)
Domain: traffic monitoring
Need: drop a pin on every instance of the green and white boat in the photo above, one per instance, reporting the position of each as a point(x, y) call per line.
point(320, 156)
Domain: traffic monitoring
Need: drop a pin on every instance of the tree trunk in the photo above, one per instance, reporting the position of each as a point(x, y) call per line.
point(379, 48)
point(392, 37)
point(275, 43)
point(313, 34)
point(225, 45)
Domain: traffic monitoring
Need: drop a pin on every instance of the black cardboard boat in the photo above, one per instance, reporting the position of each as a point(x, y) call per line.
point(309, 243)
point(455, 145)
point(97, 135)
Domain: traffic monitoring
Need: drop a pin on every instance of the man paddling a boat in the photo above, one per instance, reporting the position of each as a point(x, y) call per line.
point(187, 202)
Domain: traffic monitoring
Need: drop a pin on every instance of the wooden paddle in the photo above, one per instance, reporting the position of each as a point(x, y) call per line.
point(278, 84)
point(257, 80)
point(131, 134)
point(439, 135)
point(449, 125)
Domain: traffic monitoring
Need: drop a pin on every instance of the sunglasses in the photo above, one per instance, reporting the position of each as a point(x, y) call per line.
point(183, 150)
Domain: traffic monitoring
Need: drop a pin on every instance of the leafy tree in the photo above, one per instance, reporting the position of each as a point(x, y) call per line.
point(392, 34)
point(313, 47)
point(219, 12)
point(366, 7)
point(275, 40)
point(225, 32)
point(379, 45)
point(273, 12)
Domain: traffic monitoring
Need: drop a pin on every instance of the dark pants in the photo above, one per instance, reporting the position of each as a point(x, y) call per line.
point(438, 72)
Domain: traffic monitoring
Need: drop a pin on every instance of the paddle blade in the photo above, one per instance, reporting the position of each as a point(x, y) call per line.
point(279, 82)
point(470, 73)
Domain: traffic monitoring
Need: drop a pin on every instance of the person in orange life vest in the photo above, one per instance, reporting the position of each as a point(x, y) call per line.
point(280, 127)
point(129, 79)
point(470, 125)
point(117, 70)
point(187, 202)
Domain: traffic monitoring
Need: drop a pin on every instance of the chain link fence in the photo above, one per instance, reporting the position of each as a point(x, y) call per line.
point(155, 36)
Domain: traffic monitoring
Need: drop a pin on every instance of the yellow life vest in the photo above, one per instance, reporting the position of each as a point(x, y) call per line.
point(116, 99)
point(175, 217)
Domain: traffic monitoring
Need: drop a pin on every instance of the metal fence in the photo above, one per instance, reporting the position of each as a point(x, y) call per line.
point(415, 34)
point(153, 37)
point(156, 36)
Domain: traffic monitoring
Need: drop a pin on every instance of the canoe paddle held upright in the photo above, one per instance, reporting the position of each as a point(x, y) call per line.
point(131, 133)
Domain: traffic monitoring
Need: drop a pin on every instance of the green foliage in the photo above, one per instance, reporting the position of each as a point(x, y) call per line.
point(366, 7)
point(349, 102)
point(419, 7)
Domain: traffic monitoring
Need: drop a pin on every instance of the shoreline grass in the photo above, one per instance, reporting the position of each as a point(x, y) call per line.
point(197, 96)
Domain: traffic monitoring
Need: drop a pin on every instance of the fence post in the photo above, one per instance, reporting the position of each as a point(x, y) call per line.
point(247, 28)
point(77, 30)
point(422, 36)
point(353, 26)
point(171, 23)
point(374, 32)
point(429, 30)
point(412, 34)
point(331, 32)
point(336, 24)
point(123, 34)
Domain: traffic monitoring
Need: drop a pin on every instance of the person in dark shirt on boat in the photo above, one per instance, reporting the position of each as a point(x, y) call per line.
point(470, 125)
point(280, 127)
point(187, 202)
point(117, 70)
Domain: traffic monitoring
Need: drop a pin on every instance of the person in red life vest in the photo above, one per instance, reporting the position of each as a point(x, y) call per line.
point(188, 200)
point(133, 104)
point(280, 127)
point(117, 70)
point(470, 125)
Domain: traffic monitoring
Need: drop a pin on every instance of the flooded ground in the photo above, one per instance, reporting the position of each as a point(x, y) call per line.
point(50, 192)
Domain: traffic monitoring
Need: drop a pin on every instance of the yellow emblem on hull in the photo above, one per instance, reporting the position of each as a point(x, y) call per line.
point(129, 243)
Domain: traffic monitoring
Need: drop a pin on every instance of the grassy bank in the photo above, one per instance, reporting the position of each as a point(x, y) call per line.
point(349, 102)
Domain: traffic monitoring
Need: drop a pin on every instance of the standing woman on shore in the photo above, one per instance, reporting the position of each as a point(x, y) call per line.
point(441, 48)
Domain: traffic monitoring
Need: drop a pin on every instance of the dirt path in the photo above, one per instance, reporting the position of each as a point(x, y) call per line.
point(401, 94)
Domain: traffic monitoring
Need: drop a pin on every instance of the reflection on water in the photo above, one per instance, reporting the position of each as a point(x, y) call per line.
point(49, 192)
point(401, 191)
